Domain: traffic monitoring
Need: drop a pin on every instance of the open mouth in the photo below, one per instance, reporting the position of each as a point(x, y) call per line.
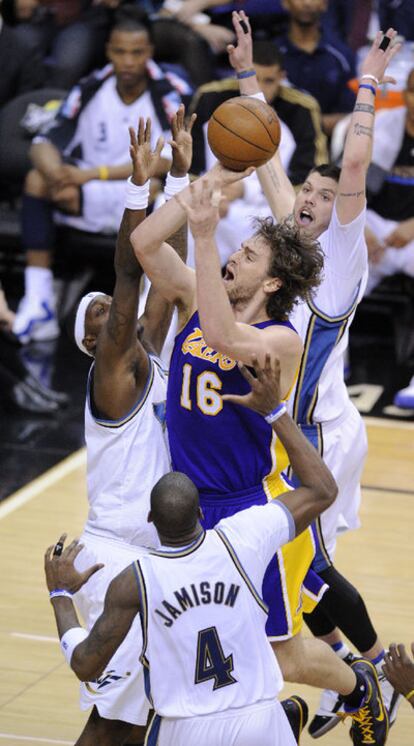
point(305, 217)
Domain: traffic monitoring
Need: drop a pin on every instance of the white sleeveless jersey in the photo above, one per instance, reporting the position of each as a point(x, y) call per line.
point(205, 647)
point(125, 458)
point(320, 394)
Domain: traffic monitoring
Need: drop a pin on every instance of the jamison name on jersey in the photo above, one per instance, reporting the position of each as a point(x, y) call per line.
point(196, 595)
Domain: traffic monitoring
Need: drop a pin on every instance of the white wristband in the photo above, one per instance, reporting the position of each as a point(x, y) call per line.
point(59, 593)
point(260, 96)
point(278, 412)
point(370, 77)
point(70, 640)
point(136, 197)
point(174, 185)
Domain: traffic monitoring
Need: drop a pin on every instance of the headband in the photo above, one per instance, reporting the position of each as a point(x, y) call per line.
point(79, 331)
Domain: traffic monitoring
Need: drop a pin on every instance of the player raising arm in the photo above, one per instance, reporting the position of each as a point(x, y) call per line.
point(250, 295)
point(241, 671)
point(330, 206)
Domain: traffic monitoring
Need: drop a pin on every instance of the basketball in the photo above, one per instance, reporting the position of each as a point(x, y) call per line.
point(243, 132)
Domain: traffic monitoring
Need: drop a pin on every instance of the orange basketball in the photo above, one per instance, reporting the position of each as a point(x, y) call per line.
point(243, 132)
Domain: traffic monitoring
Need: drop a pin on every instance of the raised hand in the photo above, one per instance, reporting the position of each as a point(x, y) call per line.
point(241, 56)
point(144, 160)
point(182, 142)
point(60, 570)
point(377, 59)
point(264, 396)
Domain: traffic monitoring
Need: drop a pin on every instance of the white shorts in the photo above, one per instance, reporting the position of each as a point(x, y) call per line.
point(344, 450)
point(119, 692)
point(393, 261)
point(102, 207)
point(263, 723)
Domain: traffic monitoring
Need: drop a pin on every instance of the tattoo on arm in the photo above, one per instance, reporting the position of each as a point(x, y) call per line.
point(367, 108)
point(273, 175)
point(360, 129)
point(351, 194)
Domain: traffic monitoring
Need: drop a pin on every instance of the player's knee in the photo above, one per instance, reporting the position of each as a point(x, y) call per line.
point(35, 184)
point(340, 586)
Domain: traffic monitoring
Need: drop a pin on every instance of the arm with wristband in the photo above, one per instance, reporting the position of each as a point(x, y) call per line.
point(88, 653)
point(121, 363)
point(274, 181)
point(358, 144)
point(318, 488)
point(158, 312)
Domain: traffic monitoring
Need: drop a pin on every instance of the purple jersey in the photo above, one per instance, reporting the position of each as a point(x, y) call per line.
point(223, 447)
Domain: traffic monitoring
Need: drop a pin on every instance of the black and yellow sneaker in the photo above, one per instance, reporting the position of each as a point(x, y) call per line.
point(297, 713)
point(370, 723)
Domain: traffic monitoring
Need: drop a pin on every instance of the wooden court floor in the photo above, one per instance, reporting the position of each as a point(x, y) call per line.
point(38, 693)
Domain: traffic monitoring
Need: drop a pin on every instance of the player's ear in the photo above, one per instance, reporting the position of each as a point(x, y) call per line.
point(272, 284)
point(149, 517)
point(200, 514)
point(90, 343)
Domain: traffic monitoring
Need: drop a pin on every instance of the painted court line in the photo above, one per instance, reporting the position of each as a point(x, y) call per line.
point(33, 739)
point(37, 638)
point(53, 475)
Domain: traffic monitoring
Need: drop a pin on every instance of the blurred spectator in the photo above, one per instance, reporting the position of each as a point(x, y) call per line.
point(349, 20)
point(317, 61)
point(21, 68)
point(69, 34)
point(399, 14)
point(217, 36)
point(390, 217)
point(81, 163)
point(176, 42)
point(296, 109)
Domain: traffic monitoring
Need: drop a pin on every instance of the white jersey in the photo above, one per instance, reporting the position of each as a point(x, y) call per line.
point(320, 394)
point(102, 129)
point(125, 458)
point(205, 647)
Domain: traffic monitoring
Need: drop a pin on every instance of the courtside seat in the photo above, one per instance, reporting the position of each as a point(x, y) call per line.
point(389, 312)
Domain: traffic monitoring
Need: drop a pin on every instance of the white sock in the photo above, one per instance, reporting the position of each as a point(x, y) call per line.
point(39, 283)
point(341, 649)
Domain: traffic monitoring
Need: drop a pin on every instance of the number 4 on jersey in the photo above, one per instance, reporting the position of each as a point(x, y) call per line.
point(211, 662)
